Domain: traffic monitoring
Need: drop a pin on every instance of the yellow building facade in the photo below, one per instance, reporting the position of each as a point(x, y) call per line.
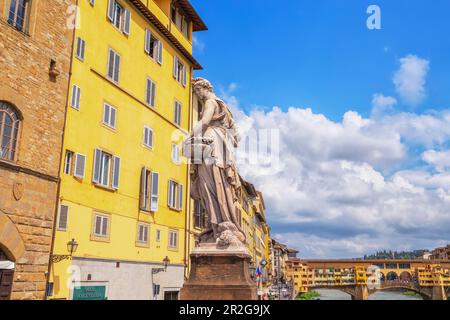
point(124, 194)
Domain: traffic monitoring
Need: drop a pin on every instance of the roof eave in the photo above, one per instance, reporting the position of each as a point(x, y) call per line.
point(145, 11)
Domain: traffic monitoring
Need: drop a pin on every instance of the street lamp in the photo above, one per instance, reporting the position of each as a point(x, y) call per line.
point(72, 247)
point(166, 262)
point(156, 287)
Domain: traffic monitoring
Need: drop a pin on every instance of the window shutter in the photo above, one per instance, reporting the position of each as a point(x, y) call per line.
point(80, 164)
point(150, 137)
point(184, 76)
point(106, 111)
point(63, 217)
point(78, 98)
point(97, 161)
point(111, 64)
point(160, 52)
point(74, 96)
point(175, 67)
point(145, 234)
point(111, 9)
point(148, 36)
point(148, 96)
point(112, 121)
point(116, 173)
point(105, 226)
point(83, 48)
point(153, 93)
point(145, 136)
point(180, 197)
point(116, 68)
point(142, 201)
point(155, 191)
point(126, 22)
point(170, 194)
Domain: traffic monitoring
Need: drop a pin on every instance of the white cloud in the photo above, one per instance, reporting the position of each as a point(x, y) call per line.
point(199, 45)
point(382, 104)
point(232, 87)
point(410, 79)
point(339, 188)
point(439, 159)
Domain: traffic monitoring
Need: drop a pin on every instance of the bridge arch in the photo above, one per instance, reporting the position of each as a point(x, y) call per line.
point(392, 276)
point(406, 276)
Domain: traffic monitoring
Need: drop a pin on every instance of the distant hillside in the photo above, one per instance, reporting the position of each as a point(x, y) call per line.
point(402, 255)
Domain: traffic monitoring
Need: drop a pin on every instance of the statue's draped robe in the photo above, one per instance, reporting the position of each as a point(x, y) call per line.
point(217, 184)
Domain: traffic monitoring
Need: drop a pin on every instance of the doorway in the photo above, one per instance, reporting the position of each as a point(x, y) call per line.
point(6, 277)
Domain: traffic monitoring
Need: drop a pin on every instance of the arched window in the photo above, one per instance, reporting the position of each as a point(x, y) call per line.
point(9, 130)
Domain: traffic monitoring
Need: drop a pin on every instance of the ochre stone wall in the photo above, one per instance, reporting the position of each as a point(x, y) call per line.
point(28, 186)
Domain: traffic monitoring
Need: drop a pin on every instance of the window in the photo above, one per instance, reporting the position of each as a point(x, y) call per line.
point(173, 239)
point(148, 137)
point(150, 93)
point(158, 235)
point(63, 217)
point(176, 153)
point(101, 226)
point(119, 16)
point(171, 295)
point(68, 162)
point(179, 71)
point(153, 46)
point(9, 130)
point(179, 19)
point(76, 96)
point(175, 195)
point(142, 236)
point(80, 165)
point(81, 47)
point(177, 113)
point(106, 169)
point(113, 65)
point(245, 205)
point(199, 215)
point(149, 190)
point(239, 217)
point(19, 14)
point(109, 116)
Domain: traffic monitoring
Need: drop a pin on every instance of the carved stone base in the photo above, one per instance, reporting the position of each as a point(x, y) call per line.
point(219, 275)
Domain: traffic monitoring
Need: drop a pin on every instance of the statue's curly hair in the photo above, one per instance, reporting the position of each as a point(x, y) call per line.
point(203, 83)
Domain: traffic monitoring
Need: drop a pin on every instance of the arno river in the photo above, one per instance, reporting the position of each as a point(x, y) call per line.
point(338, 295)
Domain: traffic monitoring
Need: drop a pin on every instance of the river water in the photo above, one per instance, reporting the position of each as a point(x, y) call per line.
point(384, 295)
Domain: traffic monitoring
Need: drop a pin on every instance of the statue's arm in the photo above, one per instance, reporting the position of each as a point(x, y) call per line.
point(208, 113)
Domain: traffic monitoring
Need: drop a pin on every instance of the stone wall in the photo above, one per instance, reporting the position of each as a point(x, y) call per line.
point(28, 186)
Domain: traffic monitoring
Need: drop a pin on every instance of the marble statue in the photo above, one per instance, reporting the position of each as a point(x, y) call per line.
point(215, 180)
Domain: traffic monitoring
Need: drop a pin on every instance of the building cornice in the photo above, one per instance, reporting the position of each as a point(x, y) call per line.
point(18, 168)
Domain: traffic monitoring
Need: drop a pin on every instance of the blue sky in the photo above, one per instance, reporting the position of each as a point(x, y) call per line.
point(363, 116)
point(320, 53)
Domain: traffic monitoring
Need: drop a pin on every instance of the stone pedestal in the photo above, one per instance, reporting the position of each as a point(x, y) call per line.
point(219, 275)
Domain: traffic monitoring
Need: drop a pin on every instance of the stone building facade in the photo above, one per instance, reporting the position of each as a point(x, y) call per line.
point(35, 53)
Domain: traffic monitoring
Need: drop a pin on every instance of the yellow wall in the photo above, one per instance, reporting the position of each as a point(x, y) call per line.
point(85, 132)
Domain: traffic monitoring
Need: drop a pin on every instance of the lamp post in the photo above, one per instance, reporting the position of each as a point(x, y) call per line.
point(166, 263)
point(262, 265)
point(72, 247)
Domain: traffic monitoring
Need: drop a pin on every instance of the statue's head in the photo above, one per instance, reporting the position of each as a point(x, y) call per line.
point(202, 87)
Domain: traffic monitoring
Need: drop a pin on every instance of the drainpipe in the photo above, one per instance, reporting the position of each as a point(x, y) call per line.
point(58, 192)
point(187, 242)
